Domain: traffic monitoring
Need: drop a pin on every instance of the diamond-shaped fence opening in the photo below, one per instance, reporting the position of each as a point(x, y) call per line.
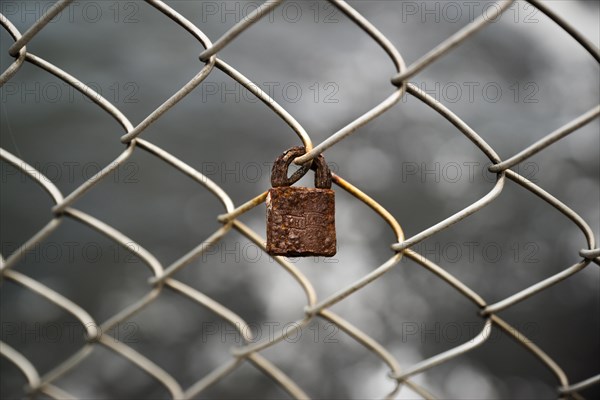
point(180, 287)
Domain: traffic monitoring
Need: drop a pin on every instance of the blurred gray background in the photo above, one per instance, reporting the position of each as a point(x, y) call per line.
point(514, 82)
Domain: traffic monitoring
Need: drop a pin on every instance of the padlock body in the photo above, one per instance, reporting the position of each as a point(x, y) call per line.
point(301, 222)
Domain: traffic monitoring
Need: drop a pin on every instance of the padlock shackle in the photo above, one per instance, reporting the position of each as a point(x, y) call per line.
point(279, 172)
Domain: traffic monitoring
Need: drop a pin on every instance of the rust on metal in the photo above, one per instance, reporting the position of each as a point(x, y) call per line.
point(300, 220)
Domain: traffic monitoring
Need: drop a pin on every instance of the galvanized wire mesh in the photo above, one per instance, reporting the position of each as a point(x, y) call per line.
point(162, 280)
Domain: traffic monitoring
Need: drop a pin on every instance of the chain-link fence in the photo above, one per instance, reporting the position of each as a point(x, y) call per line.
point(163, 278)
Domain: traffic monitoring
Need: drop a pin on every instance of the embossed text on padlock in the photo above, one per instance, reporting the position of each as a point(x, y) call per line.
point(300, 220)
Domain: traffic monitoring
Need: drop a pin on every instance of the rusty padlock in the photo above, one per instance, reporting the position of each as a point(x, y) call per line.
point(300, 220)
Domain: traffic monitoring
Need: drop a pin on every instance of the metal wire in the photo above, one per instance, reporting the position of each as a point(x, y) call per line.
point(161, 276)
